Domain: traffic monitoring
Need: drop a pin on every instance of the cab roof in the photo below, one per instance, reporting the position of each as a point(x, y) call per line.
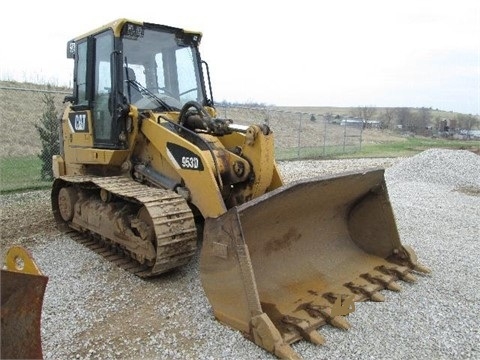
point(117, 26)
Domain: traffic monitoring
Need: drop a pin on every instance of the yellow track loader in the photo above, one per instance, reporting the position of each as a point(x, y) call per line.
point(147, 168)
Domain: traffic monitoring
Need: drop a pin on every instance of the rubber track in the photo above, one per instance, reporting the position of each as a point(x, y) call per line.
point(165, 207)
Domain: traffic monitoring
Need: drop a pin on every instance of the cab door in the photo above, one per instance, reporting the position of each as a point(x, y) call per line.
point(96, 97)
point(104, 132)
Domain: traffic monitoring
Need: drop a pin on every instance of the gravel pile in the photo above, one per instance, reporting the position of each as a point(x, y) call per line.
point(458, 168)
point(94, 310)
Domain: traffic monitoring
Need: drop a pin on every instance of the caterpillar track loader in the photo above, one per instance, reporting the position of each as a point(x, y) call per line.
point(147, 167)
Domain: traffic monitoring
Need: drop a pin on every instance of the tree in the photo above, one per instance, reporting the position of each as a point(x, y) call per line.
point(328, 117)
point(438, 123)
point(48, 129)
point(388, 116)
point(466, 122)
point(424, 117)
point(365, 112)
point(403, 116)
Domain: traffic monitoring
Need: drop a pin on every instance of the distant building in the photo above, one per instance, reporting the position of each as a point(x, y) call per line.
point(352, 122)
point(369, 124)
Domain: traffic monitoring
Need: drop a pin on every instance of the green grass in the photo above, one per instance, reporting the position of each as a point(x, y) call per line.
point(21, 173)
point(414, 145)
point(331, 151)
point(403, 147)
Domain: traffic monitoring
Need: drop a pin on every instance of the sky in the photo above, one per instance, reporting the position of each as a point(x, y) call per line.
point(413, 53)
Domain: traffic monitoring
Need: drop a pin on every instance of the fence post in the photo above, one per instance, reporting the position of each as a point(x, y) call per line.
point(325, 137)
point(361, 137)
point(299, 135)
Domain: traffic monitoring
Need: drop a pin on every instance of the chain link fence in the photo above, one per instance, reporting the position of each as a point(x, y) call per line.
point(298, 135)
point(21, 108)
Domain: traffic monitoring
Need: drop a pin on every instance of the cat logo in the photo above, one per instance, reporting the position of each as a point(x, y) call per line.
point(78, 122)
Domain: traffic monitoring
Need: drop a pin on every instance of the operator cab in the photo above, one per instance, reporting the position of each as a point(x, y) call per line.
point(161, 63)
point(153, 67)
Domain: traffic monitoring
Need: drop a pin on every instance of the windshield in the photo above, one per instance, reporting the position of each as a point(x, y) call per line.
point(157, 62)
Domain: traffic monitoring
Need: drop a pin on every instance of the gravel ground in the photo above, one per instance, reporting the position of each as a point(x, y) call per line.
point(94, 310)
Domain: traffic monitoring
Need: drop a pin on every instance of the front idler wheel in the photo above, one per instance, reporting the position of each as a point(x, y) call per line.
point(67, 197)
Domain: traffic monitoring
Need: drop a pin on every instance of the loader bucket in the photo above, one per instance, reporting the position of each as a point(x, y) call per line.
point(23, 287)
point(280, 266)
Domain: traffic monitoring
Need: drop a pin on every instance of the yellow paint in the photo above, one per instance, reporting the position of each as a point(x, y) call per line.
point(19, 260)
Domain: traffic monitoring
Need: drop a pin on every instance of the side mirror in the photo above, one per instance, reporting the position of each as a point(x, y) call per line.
point(69, 98)
point(71, 49)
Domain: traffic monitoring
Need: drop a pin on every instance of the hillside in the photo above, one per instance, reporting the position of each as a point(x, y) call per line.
point(21, 106)
point(349, 111)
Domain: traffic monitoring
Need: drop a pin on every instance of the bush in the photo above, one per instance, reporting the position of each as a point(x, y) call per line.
point(48, 129)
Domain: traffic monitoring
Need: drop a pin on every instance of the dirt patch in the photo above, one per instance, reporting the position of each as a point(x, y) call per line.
point(24, 217)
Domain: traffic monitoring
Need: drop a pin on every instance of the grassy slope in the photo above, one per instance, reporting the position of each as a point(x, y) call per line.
point(347, 111)
point(21, 173)
point(19, 111)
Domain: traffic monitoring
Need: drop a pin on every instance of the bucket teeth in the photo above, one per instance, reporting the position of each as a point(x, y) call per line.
point(401, 272)
point(305, 329)
point(326, 313)
point(409, 278)
point(285, 351)
point(385, 280)
point(339, 322)
point(370, 291)
point(414, 261)
point(422, 268)
point(267, 336)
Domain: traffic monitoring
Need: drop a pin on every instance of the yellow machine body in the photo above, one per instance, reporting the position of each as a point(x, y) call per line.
point(143, 175)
